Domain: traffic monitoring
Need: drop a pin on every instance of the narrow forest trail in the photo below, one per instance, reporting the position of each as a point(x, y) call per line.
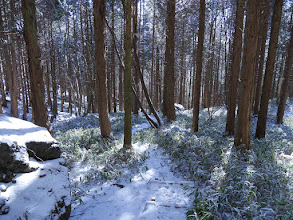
point(128, 199)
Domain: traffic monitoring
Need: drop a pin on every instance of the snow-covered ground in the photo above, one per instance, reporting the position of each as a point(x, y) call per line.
point(153, 193)
point(148, 190)
point(35, 195)
point(173, 170)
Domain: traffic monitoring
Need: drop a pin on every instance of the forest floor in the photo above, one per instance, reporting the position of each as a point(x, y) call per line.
point(111, 183)
point(186, 174)
point(173, 173)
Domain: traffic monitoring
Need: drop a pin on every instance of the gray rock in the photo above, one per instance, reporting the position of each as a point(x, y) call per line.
point(43, 150)
point(62, 210)
point(6, 176)
point(13, 159)
point(2, 189)
point(4, 209)
point(39, 142)
point(46, 197)
point(2, 202)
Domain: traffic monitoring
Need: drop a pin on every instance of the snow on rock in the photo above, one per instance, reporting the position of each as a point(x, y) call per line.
point(13, 159)
point(41, 194)
point(178, 107)
point(38, 140)
point(39, 190)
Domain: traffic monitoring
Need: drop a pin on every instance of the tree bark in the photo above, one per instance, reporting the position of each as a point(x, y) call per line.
point(99, 23)
point(113, 72)
point(279, 81)
point(4, 103)
point(169, 81)
point(262, 117)
point(134, 43)
point(182, 67)
point(264, 31)
point(157, 81)
point(1, 86)
point(13, 84)
point(54, 82)
point(199, 58)
point(22, 79)
point(235, 68)
point(209, 69)
point(242, 136)
point(285, 84)
point(88, 57)
point(127, 77)
point(121, 72)
point(36, 75)
point(152, 81)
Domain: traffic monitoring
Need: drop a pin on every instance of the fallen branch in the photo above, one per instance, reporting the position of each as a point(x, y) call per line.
point(151, 121)
point(140, 77)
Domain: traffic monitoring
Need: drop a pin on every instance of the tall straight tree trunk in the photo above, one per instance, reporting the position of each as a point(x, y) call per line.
point(90, 77)
point(99, 23)
point(78, 77)
point(242, 136)
point(284, 90)
point(157, 81)
point(113, 72)
point(70, 87)
point(109, 89)
point(262, 117)
point(54, 81)
point(211, 68)
point(199, 58)
point(276, 76)
point(182, 67)
point(127, 77)
point(71, 78)
point(36, 75)
point(12, 78)
point(3, 63)
point(135, 41)
point(121, 100)
point(208, 72)
point(151, 84)
point(22, 81)
point(120, 88)
point(142, 43)
point(1, 111)
point(47, 80)
point(53, 72)
point(264, 31)
point(1, 85)
point(235, 67)
point(169, 81)
point(192, 73)
point(4, 104)
point(279, 81)
point(142, 49)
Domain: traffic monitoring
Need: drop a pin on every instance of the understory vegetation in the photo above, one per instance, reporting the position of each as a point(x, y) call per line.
point(101, 159)
point(229, 183)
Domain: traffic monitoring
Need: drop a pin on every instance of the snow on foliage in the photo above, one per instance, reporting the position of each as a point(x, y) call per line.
point(228, 183)
point(231, 184)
